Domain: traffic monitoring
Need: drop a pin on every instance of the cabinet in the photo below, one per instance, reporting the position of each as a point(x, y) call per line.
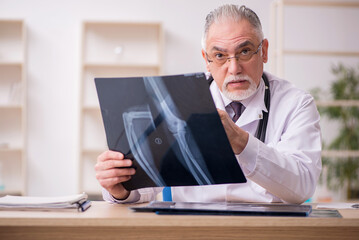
point(308, 38)
point(110, 49)
point(316, 45)
point(12, 107)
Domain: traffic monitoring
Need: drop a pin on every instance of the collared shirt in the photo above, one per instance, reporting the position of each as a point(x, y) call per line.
point(285, 168)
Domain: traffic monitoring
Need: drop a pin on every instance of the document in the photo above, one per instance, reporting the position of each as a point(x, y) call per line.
point(77, 201)
point(338, 205)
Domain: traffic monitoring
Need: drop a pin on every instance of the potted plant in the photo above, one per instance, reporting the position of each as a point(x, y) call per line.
point(343, 171)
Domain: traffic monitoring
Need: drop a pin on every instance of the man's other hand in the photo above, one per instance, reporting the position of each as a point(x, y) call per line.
point(237, 137)
point(112, 169)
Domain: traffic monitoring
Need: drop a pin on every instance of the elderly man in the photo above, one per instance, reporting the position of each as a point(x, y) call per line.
point(272, 126)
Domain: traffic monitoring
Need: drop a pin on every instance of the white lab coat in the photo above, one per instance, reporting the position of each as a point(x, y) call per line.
point(285, 168)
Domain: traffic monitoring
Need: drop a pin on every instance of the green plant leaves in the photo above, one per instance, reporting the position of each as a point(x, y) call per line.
point(343, 171)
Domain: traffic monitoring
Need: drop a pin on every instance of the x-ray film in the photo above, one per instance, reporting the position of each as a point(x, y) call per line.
point(170, 128)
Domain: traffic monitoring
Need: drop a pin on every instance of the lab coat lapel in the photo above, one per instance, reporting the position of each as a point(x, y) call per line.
point(254, 107)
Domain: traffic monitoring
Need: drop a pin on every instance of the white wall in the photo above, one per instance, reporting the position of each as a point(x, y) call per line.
point(53, 70)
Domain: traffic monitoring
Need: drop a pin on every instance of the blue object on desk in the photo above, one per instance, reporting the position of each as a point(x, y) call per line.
point(167, 194)
point(83, 206)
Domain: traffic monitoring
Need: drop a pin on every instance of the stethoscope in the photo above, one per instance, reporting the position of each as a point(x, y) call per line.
point(262, 126)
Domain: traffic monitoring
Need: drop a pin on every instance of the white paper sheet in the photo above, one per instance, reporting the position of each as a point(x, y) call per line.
point(338, 205)
point(70, 201)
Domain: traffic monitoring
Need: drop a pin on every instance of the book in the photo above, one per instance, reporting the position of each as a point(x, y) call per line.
point(77, 201)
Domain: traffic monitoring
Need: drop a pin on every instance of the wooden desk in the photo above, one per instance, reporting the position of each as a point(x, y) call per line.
point(106, 221)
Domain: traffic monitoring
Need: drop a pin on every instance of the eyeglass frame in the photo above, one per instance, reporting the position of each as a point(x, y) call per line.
point(228, 59)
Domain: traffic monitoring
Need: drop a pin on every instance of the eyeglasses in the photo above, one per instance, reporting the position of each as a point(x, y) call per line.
point(244, 54)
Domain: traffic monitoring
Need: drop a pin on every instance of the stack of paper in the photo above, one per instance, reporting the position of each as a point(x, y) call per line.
point(78, 201)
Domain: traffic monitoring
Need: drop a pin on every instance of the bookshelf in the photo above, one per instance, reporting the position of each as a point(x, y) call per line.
point(325, 49)
point(307, 39)
point(110, 49)
point(12, 107)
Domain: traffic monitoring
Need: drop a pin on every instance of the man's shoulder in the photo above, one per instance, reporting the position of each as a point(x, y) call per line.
point(277, 82)
point(279, 86)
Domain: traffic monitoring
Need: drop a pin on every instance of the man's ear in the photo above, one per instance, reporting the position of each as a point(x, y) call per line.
point(205, 59)
point(265, 45)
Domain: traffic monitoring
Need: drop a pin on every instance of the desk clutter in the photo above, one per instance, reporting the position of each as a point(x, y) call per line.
point(78, 202)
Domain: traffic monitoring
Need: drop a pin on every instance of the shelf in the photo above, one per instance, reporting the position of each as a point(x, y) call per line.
point(306, 51)
point(301, 39)
point(321, 53)
point(11, 64)
point(98, 71)
point(11, 126)
point(92, 108)
point(122, 43)
point(10, 192)
point(340, 153)
point(94, 193)
point(11, 85)
point(11, 41)
point(120, 65)
point(12, 107)
point(19, 107)
point(9, 150)
point(90, 184)
point(12, 172)
point(93, 151)
point(306, 3)
point(338, 103)
point(110, 49)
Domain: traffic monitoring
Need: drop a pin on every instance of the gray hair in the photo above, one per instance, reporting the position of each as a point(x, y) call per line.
point(235, 13)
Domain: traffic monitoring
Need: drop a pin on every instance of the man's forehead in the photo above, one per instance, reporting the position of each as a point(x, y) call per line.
point(237, 46)
point(238, 33)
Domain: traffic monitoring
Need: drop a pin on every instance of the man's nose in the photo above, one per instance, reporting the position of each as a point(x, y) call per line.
point(234, 66)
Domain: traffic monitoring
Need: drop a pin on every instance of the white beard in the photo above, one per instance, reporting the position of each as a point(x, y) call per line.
point(238, 96)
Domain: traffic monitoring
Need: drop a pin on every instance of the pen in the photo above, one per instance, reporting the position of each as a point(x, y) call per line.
point(355, 205)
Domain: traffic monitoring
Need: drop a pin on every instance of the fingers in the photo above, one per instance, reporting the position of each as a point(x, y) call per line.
point(220, 111)
point(114, 173)
point(112, 168)
point(111, 163)
point(111, 159)
point(237, 137)
point(110, 155)
point(223, 116)
point(110, 183)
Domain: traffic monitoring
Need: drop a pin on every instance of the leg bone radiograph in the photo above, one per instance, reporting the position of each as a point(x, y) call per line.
point(190, 156)
point(136, 124)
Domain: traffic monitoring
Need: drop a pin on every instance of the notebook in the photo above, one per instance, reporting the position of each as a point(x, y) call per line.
point(223, 208)
point(170, 128)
